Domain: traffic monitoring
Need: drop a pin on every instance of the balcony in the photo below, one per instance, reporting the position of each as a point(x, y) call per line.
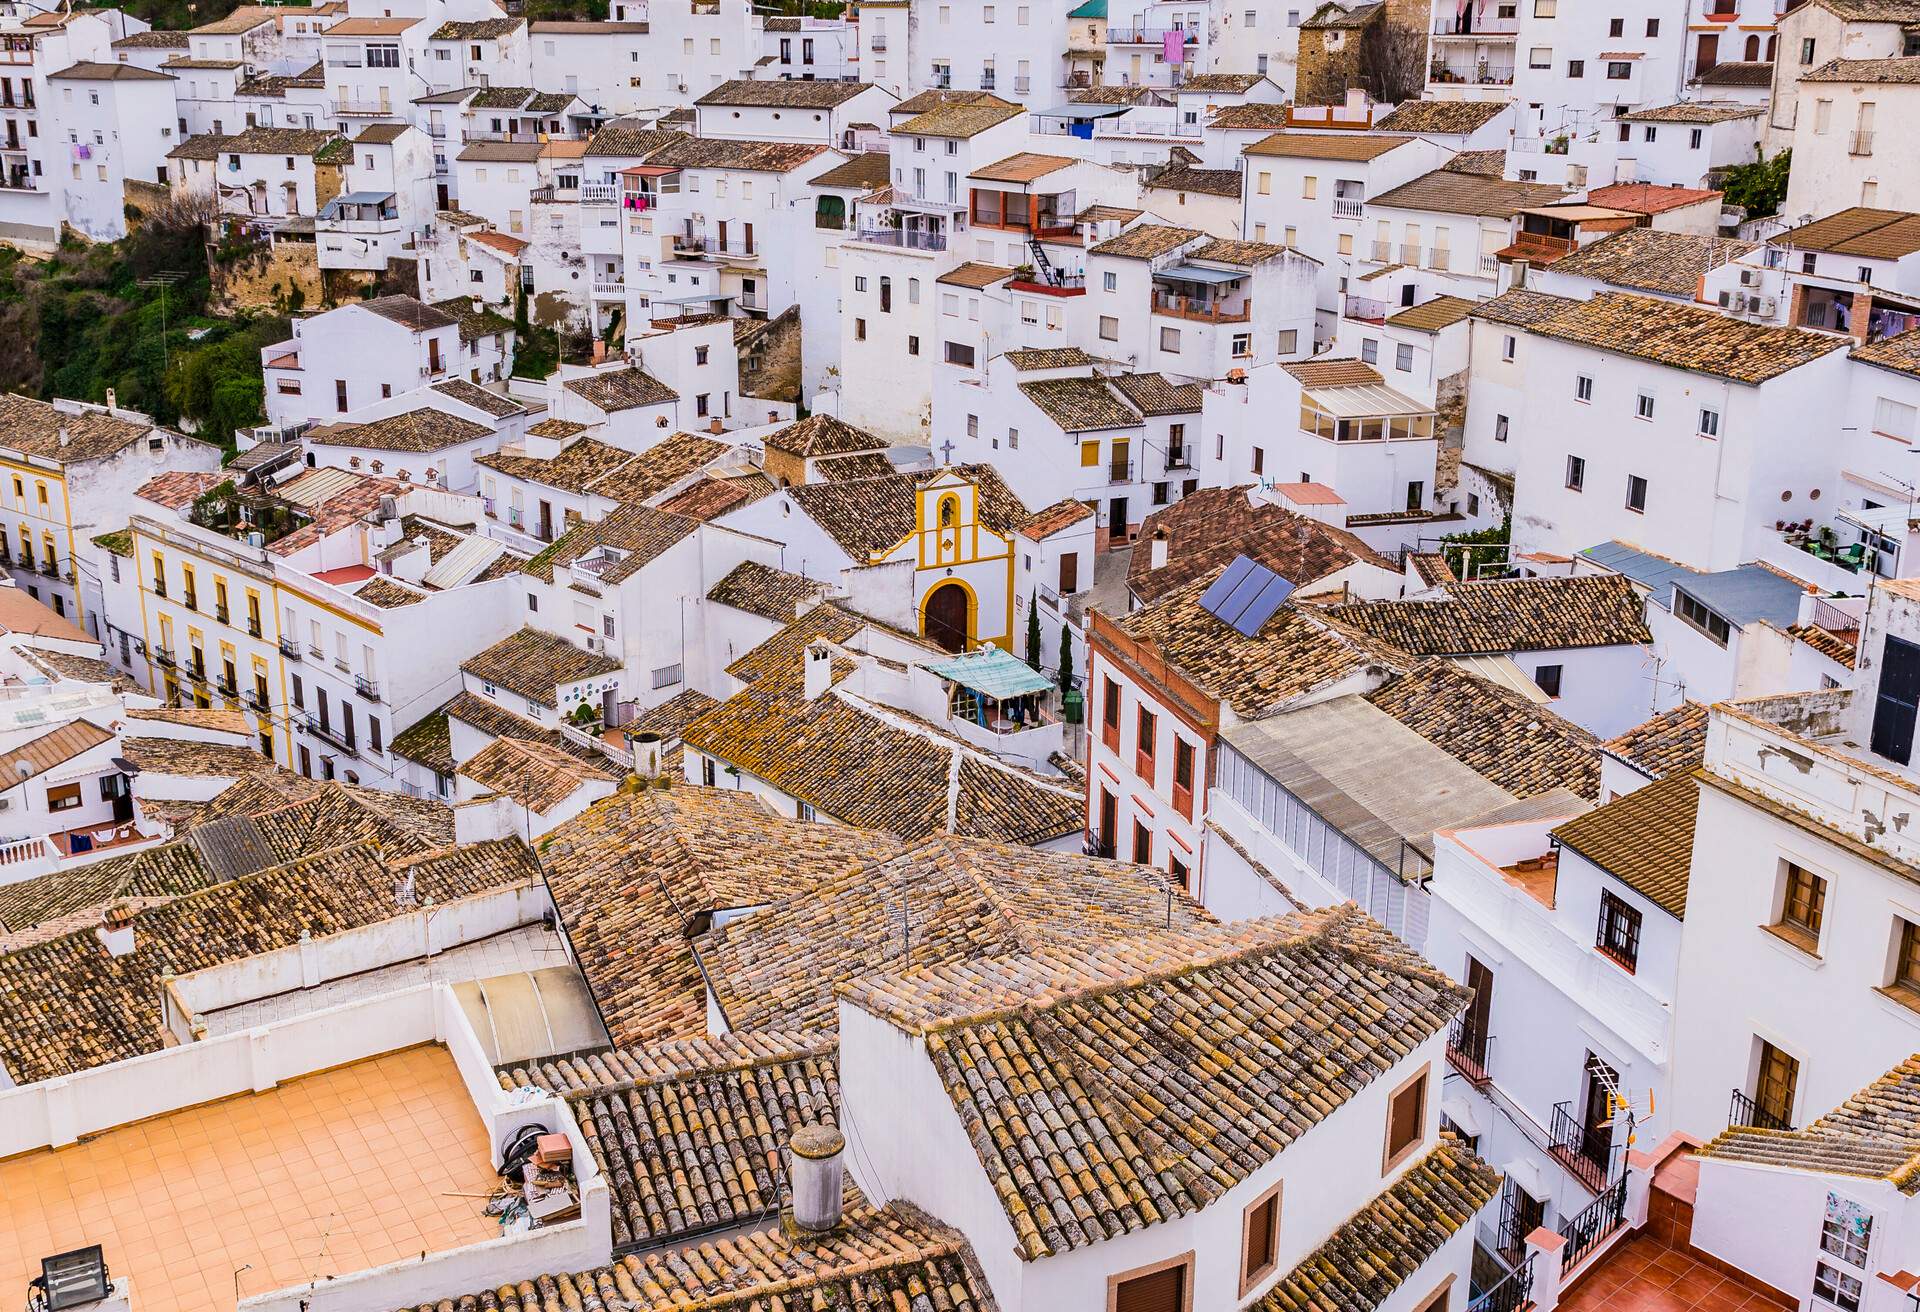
point(1860, 143)
point(352, 108)
point(1148, 36)
point(191, 601)
point(253, 626)
point(1119, 471)
point(1585, 1150)
point(1472, 27)
point(327, 732)
point(159, 585)
point(1744, 1111)
point(1382, 252)
point(602, 193)
point(257, 701)
point(1179, 460)
point(163, 657)
point(1467, 1050)
point(220, 613)
point(227, 689)
point(912, 239)
point(878, 43)
point(614, 288)
point(1201, 309)
point(1479, 76)
point(1347, 209)
point(290, 648)
point(366, 687)
point(50, 567)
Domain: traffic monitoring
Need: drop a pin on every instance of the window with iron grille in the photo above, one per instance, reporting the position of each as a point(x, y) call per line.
point(1619, 933)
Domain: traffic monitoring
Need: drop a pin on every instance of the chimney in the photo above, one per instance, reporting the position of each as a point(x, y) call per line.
point(66, 438)
point(599, 351)
point(1157, 549)
point(479, 306)
point(1519, 279)
point(818, 669)
point(817, 1180)
point(116, 929)
point(716, 427)
point(646, 755)
point(113, 400)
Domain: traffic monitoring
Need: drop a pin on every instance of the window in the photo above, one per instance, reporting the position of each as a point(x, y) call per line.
point(1309, 187)
point(1618, 937)
point(1583, 388)
point(1803, 907)
point(1540, 57)
point(1893, 418)
point(1547, 679)
point(1846, 1237)
point(1616, 27)
point(1289, 341)
point(1109, 328)
point(1170, 340)
point(1696, 138)
point(1370, 350)
point(1822, 117)
point(913, 345)
point(1545, 8)
point(1619, 70)
point(1834, 1286)
point(1653, 27)
point(1089, 453)
point(1643, 406)
point(1183, 777)
point(1142, 844)
point(1509, 347)
point(1709, 423)
point(64, 797)
point(959, 354)
point(1259, 1240)
point(1501, 427)
point(1406, 1121)
point(1403, 358)
point(1576, 68)
point(1242, 345)
point(1576, 473)
point(1165, 1288)
point(1146, 730)
point(1700, 617)
point(1110, 281)
point(1806, 50)
point(1636, 494)
point(1906, 963)
point(859, 330)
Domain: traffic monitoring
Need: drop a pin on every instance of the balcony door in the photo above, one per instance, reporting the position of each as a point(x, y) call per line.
point(1897, 701)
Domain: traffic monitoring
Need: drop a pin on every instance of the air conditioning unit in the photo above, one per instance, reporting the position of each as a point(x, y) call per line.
point(1749, 277)
point(1743, 304)
point(594, 644)
point(1765, 306)
point(1726, 300)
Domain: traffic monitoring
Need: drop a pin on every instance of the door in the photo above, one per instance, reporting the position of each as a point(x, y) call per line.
point(1707, 53)
point(1897, 701)
point(1596, 1140)
point(1774, 1088)
point(748, 237)
point(1109, 820)
point(1473, 1034)
point(1117, 520)
point(946, 616)
point(1069, 572)
point(546, 521)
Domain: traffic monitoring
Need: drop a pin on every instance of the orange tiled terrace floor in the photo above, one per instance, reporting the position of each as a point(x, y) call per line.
point(328, 1174)
point(1643, 1274)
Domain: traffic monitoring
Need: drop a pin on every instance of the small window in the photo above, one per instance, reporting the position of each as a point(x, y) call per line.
point(1509, 346)
point(1803, 907)
point(1619, 934)
point(1369, 350)
point(1906, 964)
point(1576, 473)
point(1109, 328)
point(1636, 494)
point(1576, 68)
point(1110, 281)
point(1643, 406)
point(1501, 427)
point(1835, 1287)
point(65, 797)
point(1259, 1241)
point(1164, 1289)
point(1582, 388)
point(1709, 423)
point(1846, 1238)
point(1403, 358)
point(1406, 1121)
point(1547, 679)
point(1696, 614)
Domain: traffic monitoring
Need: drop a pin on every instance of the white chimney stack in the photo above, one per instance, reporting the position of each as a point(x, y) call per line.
point(646, 755)
point(818, 670)
point(116, 930)
point(113, 400)
point(1157, 550)
point(814, 1169)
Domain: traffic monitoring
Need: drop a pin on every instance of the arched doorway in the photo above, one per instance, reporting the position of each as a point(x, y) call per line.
point(944, 618)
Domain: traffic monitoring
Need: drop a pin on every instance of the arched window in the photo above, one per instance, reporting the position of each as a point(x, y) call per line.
point(949, 511)
point(1753, 49)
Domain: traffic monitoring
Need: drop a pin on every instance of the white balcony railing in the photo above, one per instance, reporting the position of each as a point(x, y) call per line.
point(1347, 209)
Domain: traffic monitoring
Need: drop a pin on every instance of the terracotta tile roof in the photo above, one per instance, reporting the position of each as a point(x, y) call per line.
point(1874, 11)
point(975, 275)
point(481, 29)
point(894, 1258)
point(72, 1006)
point(576, 469)
point(1738, 74)
point(1383, 1245)
point(1651, 260)
point(1293, 653)
point(692, 1145)
point(1059, 357)
point(1442, 117)
point(319, 144)
point(60, 665)
point(1211, 1046)
point(1522, 308)
point(1352, 147)
point(776, 662)
point(1050, 520)
point(823, 435)
point(93, 72)
point(973, 901)
point(772, 594)
point(1117, 93)
point(953, 120)
point(1147, 241)
point(1875, 234)
point(621, 389)
point(408, 312)
point(1827, 643)
point(747, 156)
point(1331, 17)
point(1186, 177)
point(1506, 738)
point(37, 429)
point(1480, 163)
point(1900, 353)
point(671, 717)
point(423, 430)
point(1232, 83)
point(1239, 252)
point(191, 757)
point(1433, 315)
point(783, 93)
point(1691, 111)
point(1645, 198)
point(630, 873)
point(480, 398)
point(865, 515)
point(1672, 742)
point(1023, 167)
point(624, 139)
point(870, 464)
point(533, 774)
point(532, 662)
point(711, 498)
point(1644, 839)
point(152, 40)
point(880, 769)
point(1898, 71)
point(427, 741)
point(38, 755)
point(1207, 529)
point(639, 534)
point(1874, 1135)
point(1346, 372)
point(497, 721)
point(661, 466)
point(1432, 567)
point(1506, 615)
point(1446, 192)
point(1249, 118)
point(1686, 337)
point(1154, 394)
point(863, 172)
point(1080, 405)
point(934, 99)
point(177, 487)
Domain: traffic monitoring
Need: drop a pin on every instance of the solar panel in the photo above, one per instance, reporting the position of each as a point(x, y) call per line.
point(1245, 596)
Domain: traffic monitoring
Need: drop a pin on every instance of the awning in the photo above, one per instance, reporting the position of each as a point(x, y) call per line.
point(692, 300)
point(1369, 401)
point(1891, 521)
point(362, 198)
point(1460, 1109)
point(1082, 112)
point(647, 171)
point(1195, 273)
point(995, 674)
point(1526, 1176)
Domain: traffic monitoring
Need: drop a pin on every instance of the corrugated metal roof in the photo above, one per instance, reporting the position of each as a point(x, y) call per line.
point(317, 485)
point(1649, 571)
point(1365, 402)
point(464, 562)
point(1363, 772)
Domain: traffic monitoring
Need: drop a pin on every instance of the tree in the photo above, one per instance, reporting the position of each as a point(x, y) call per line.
point(1393, 60)
point(1066, 657)
point(1033, 629)
point(1760, 188)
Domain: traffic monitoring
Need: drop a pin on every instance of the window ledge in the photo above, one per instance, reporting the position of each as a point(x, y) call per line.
point(1908, 1000)
point(1616, 958)
point(1802, 944)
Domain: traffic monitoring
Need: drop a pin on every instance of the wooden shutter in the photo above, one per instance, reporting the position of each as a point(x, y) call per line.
point(1260, 1236)
point(1070, 572)
point(1404, 1119)
point(1163, 1291)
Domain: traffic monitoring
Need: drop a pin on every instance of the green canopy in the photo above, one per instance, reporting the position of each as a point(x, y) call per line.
point(993, 673)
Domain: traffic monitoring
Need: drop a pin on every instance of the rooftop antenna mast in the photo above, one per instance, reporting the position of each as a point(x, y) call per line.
point(163, 280)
